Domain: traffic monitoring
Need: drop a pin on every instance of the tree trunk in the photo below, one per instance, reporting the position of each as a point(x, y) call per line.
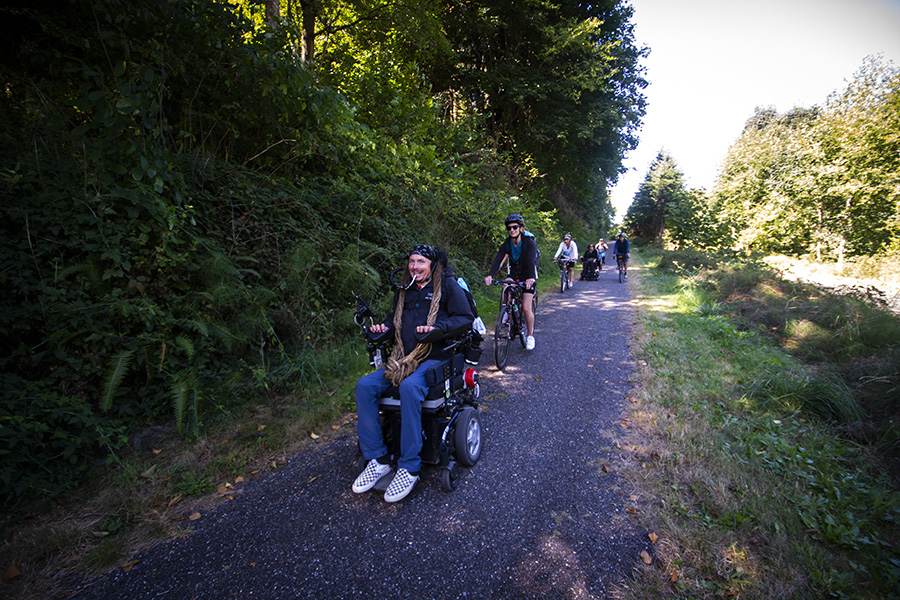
point(820, 231)
point(309, 12)
point(273, 12)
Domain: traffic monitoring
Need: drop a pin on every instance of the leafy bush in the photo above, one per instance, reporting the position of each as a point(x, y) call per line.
point(43, 433)
point(185, 219)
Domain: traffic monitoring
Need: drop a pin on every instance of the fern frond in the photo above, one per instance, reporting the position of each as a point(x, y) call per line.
point(225, 337)
point(186, 399)
point(179, 392)
point(113, 377)
point(194, 325)
point(185, 344)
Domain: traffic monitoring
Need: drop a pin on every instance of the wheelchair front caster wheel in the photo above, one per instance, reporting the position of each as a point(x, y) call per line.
point(450, 476)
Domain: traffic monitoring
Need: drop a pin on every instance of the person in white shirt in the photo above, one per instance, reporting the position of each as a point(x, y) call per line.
point(568, 249)
point(602, 247)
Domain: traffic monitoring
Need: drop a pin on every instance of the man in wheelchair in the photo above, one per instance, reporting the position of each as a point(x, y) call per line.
point(591, 260)
point(429, 308)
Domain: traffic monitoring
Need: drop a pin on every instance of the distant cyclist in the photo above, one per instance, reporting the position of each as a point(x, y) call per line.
point(602, 247)
point(521, 251)
point(621, 247)
point(568, 249)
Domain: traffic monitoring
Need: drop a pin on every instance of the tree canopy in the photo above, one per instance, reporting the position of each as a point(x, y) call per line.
point(820, 181)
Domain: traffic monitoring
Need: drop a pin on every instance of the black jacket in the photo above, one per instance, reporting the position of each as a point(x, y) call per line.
point(522, 269)
point(454, 314)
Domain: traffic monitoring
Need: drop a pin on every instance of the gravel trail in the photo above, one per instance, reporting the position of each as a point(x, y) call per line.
point(537, 517)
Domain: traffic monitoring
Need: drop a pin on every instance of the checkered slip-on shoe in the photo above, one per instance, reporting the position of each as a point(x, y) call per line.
point(370, 476)
point(401, 486)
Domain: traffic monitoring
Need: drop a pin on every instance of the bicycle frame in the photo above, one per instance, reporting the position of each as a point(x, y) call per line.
point(510, 320)
point(564, 281)
point(620, 261)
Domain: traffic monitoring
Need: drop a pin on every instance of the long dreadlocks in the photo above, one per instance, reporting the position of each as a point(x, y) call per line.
point(401, 365)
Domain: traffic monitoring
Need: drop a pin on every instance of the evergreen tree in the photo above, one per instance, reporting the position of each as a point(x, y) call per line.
point(660, 202)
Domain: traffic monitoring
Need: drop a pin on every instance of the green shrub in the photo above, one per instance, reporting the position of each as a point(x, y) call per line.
point(47, 441)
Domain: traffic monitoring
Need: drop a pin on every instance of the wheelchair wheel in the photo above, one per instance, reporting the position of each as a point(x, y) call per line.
point(502, 336)
point(468, 436)
point(450, 477)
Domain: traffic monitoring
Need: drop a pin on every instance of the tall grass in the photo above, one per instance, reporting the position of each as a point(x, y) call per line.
point(745, 459)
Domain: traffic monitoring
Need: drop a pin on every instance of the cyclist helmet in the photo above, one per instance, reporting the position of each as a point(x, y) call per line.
point(621, 234)
point(568, 236)
point(515, 218)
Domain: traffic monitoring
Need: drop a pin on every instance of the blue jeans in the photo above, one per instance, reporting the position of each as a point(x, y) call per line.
point(412, 392)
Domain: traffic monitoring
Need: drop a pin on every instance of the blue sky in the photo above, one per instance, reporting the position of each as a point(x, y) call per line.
point(712, 62)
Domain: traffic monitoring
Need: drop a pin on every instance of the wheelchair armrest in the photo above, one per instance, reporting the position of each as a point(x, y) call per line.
point(379, 338)
point(435, 335)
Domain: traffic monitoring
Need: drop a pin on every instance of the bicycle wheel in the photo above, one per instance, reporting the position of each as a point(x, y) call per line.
point(621, 274)
point(502, 336)
point(562, 282)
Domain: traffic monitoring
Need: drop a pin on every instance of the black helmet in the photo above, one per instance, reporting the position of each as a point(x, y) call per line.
point(515, 218)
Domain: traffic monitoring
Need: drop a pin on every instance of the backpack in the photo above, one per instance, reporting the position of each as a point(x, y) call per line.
point(473, 349)
point(537, 256)
point(465, 287)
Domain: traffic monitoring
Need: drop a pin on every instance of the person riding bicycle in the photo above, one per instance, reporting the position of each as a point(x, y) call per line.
point(602, 247)
point(568, 249)
point(622, 248)
point(427, 303)
point(590, 260)
point(521, 251)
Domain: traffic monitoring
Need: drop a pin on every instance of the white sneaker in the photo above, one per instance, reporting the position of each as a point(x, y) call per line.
point(529, 342)
point(401, 486)
point(370, 476)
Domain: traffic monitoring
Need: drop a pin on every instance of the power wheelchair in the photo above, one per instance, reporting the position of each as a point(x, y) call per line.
point(591, 270)
point(451, 418)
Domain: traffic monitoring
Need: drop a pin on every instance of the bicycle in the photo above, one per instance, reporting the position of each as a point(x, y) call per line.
point(510, 320)
point(623, 274)
point(564, 282)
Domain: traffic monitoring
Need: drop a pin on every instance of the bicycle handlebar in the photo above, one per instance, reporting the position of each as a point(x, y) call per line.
point(520, 284)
